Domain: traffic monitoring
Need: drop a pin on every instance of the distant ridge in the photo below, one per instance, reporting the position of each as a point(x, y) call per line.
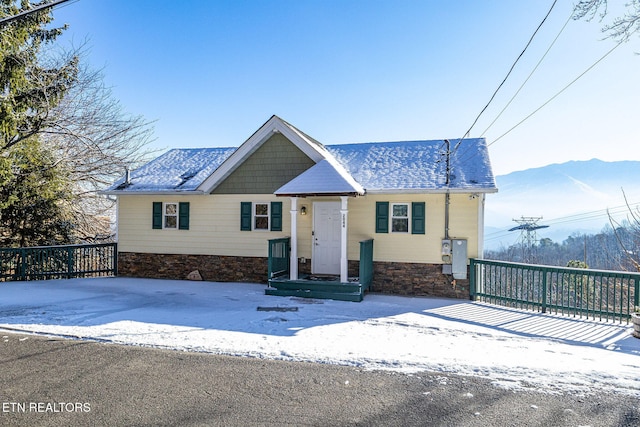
point(567, 196)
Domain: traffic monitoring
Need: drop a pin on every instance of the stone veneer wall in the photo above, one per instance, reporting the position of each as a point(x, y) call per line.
point(388, 277)
point(211, 267)
point(417, 280)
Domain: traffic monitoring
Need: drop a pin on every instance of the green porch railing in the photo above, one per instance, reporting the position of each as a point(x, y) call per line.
point(596, 294)
point(58, 262)
point(366, 263)
point(278, 264)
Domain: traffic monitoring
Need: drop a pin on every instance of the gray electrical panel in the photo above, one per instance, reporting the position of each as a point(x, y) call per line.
point(459, 258)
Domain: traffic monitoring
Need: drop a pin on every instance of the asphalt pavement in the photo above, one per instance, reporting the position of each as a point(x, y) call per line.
point(49, 381)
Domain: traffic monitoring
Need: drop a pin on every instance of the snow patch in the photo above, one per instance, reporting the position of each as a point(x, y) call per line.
point(515, 349)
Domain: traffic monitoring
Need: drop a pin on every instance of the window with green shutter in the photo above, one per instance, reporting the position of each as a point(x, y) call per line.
point(170, 215)
point(265, 216)
point(382, 217)
point(400, 218)
point(418, 218)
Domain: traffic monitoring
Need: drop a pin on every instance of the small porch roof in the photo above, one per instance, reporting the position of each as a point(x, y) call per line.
point(325, 178)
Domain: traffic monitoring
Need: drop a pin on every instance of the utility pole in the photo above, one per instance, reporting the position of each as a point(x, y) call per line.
point(447, 195)
point(528, 235)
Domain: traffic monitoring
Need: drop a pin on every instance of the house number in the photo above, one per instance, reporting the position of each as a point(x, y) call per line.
point(344, 221)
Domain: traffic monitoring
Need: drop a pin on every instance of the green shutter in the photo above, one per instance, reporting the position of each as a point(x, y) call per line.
point(276, 216)
point(245, 216)
point(157, 215)
point(382, 217)
point(183, 215)
point(418, 216)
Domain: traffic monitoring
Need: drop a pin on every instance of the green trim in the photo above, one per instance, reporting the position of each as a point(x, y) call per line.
point(156, 220)
point(183, 215)
point(382, 217)
point(276, 216)
point(418, 218)
point(245, 216)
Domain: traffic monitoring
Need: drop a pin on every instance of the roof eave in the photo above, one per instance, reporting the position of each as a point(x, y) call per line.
point(151, 193)
point(333, 194)
point(430, 190)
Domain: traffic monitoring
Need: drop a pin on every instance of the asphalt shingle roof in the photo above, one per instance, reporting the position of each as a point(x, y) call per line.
point(377, 166)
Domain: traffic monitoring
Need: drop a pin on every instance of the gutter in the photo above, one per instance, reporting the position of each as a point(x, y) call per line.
point(433, 191)
point(152, 193)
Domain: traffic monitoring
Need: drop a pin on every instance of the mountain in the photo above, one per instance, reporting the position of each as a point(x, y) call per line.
point(570, 197)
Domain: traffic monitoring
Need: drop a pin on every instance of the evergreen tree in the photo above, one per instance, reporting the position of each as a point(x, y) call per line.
point(33, 198)
point(29, 86)
point(62, 114)
point(33, 190)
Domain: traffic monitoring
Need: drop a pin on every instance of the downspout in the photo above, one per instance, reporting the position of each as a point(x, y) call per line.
point(447, 202)
point(481, 200)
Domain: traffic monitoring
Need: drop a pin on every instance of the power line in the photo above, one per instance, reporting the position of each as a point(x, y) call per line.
point(557, 94)
point(464, 159)
point(508, 74)
point(530, 74)
point(579, 217)
point(22, 14)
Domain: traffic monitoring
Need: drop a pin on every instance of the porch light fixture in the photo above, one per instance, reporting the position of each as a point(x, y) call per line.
point(303, 210)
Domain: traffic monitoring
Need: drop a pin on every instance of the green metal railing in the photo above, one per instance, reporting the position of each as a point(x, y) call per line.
point(58, 262)
point(278, 263)
point(366, 263)
point(597, 294)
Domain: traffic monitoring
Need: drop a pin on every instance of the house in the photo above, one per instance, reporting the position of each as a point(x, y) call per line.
point(215, 210)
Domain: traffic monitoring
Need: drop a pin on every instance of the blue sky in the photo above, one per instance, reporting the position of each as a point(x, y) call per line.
point(209, 73)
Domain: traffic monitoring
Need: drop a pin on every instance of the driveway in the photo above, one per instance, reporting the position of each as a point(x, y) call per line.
point(518, 350)
point(48, 381)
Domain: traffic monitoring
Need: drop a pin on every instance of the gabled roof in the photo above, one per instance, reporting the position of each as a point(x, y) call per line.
point(375, 167)
point(307, 145)
point(326, 178)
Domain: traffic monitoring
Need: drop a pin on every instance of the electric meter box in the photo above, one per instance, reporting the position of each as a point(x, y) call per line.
point(446, 247)
point(459, 258)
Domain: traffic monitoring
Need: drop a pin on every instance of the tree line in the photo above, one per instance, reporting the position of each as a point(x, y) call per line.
point(616, 247)
point(63, 137)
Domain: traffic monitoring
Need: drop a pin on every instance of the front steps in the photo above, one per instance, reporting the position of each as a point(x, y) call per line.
point(320, 289)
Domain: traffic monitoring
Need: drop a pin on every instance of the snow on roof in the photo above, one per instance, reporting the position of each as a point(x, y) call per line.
point(375, 167)
point(176, 170)
point(417, 165)
point(325, 177)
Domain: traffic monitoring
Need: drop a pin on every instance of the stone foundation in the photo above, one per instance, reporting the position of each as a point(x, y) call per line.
point(212, 268)
point(417, 280)
point(388, 277)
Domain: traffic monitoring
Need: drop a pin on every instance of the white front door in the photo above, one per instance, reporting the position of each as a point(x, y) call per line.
point(325, 258)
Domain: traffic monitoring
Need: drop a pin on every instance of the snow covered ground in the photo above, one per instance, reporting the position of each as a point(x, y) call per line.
point(516, 349)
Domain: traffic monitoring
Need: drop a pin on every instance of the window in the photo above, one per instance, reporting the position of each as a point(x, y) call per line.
point(399, 217)
point(170, 215)
point(261, 216)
